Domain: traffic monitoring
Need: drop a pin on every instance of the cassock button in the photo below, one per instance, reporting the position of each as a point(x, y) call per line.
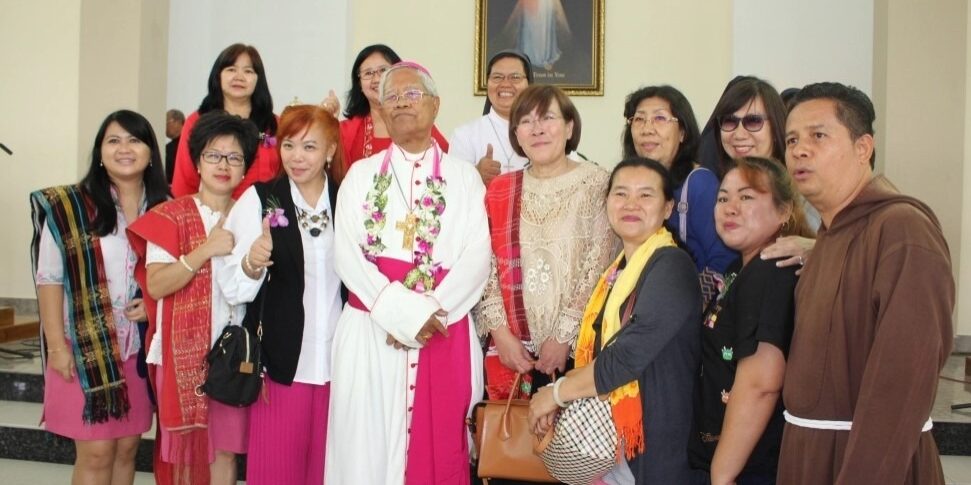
point(416, 201)
point(417, 182)
point(412, 387)
point(417, 165)
point(410, 408)
point(414, 365)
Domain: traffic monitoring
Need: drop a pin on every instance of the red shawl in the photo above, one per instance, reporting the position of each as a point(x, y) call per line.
point(186, 325)
point(503, 202)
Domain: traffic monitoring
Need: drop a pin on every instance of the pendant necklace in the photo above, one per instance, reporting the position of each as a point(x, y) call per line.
point(313, 223)
point(410, 224)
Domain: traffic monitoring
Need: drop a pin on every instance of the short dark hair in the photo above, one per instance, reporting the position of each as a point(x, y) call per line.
point(220, 123)
point(854, 109)
point(357, 103)
point(667, 185)
point(681, 109)
point(97, 184)
point(539, 98)
point(741, 94)
point(261, 113)
point(175, 115)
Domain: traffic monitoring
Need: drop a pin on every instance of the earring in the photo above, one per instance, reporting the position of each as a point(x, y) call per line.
point(327, 163)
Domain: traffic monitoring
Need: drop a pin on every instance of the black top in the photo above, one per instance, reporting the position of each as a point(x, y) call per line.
point(756, 305)
point(283, 314)
point(660, 348)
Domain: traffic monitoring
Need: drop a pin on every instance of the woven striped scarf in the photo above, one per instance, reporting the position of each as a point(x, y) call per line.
point(91, 329)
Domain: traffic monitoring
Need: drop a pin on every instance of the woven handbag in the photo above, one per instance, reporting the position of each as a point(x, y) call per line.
point(583, 443)
point(505, 443)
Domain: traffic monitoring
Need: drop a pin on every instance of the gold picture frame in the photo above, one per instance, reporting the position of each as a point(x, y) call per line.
point(566, 38)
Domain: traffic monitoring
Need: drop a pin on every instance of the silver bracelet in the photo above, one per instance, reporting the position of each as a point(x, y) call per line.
point(556, 393)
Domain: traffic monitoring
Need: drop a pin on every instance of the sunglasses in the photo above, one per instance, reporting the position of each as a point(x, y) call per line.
point(751, 123)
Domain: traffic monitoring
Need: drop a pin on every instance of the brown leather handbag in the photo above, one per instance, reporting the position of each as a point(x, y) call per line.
point(504, 441)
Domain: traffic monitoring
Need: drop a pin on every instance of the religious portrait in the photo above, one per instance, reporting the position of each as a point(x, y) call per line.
point(563, 39)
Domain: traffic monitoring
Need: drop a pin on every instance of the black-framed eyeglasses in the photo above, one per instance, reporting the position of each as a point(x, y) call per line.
point(412, 96)
point(515, 78)
point(370, 73)
point(751, 123)
point(233, 159)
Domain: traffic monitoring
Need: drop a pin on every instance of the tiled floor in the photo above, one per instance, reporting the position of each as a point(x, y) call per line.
point(957, 469)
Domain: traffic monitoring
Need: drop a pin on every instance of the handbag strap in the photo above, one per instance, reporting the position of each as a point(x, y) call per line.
point(683, 207)
point(505, 412)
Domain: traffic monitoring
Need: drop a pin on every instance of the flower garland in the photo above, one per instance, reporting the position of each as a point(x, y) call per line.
point(374, 204)
point(429, 210)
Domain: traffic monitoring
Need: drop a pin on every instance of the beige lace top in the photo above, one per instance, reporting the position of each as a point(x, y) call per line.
point(566, 244)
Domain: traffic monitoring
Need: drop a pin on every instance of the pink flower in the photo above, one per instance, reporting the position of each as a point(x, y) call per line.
point(427, 201)
point(440, 208)
point(420, 286)
point(377, 216)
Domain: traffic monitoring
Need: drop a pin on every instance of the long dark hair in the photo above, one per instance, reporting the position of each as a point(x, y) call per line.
point(739, 95)
point(97, 185)
point(683, 161)
point(261, 112)
point(357, 104)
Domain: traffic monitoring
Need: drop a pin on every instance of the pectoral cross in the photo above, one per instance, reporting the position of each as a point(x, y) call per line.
point(407, 227)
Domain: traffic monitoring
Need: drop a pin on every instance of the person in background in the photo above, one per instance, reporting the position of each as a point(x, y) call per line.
point(485, 141)
point(661, 126)
point(174, 119)
point(746, 332)
point(649, 298)
point(283, 267)
point(180, 244)
point(364, 132)
point(86, 294)
point(237, 85)
point(873, 309)
point(550, 240)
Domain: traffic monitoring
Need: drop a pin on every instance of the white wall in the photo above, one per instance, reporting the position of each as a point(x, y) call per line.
point(39, 121)
point(302, 43)
point(792, 43)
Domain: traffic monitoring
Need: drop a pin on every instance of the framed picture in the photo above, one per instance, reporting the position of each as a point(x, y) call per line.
point(564, 39)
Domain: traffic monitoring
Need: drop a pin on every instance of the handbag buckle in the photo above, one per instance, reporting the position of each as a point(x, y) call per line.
point(245, 367)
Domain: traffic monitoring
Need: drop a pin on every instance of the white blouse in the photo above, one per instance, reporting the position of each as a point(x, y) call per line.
point(222, 312)
point(321, 293)
point(119, 260)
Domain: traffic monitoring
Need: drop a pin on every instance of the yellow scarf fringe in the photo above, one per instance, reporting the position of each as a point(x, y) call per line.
point(624, 401)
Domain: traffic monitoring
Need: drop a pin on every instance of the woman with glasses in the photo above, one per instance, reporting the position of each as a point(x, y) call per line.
point(282, 266)
point(237, 85)
point(661, 126)
point(88, 299)
point(550, 240)
point(485, 140)
point(751, 122)
point(363, 132)
point(181, 243)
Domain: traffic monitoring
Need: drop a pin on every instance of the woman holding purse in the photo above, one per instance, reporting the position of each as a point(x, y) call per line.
point(180, 243)
point(645, 306)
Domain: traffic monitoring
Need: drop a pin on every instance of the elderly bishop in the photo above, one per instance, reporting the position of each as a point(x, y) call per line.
point(413, 249)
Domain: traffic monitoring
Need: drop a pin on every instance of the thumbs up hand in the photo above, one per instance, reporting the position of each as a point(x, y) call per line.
point(331, 103)
point(220, 241)
point(487, 167)
point(261, 250)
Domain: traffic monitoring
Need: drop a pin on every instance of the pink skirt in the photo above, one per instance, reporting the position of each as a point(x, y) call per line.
point(64, 402)
point(228, 429)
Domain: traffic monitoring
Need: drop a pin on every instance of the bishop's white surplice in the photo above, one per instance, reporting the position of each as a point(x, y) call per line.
point(373, 387)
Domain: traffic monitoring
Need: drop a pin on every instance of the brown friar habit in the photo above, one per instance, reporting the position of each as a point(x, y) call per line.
point(873, 330)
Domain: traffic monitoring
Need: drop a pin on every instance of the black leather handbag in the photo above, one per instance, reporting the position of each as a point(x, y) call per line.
point(235, 374)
